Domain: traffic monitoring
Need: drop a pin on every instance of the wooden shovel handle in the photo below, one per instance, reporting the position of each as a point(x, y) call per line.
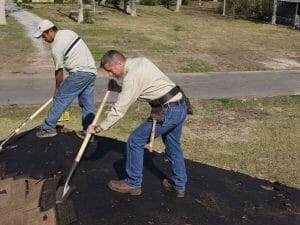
point(41, 109)
point(25, 122)
point(88, 136)
point(152, 135)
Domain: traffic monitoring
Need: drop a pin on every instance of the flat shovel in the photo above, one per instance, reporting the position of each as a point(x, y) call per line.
point(24, 123)
point(64, 191)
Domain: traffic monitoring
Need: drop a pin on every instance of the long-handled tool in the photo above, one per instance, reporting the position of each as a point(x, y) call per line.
point(152, 136)
point(63, 192)
point(25, 122)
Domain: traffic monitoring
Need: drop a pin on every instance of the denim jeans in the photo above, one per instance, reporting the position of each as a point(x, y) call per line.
point(170, 130)
point(77, 84)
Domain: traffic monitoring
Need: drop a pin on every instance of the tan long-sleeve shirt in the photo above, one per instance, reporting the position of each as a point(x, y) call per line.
point(142, 81)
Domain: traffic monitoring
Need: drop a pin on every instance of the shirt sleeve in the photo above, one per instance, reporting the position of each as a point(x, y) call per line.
point(58, 59)
point(126, 98)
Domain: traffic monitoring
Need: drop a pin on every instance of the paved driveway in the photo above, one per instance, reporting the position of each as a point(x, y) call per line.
point(37, 89)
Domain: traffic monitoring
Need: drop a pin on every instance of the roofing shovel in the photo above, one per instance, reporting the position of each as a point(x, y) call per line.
point(64, 191)
point(24, 123)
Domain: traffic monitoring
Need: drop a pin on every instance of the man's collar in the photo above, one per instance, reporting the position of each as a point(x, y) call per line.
point(126, 67)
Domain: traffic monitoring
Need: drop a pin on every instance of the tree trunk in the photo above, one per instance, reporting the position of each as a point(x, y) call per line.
point(297, 18)
point(274, 12)
point(132, 7)
point(178, 4)
point(102, 2)
point(94, 7)
point(2, 12)
point(224, 7)
point(80, 12)
point(129, 7)
point(126, 6)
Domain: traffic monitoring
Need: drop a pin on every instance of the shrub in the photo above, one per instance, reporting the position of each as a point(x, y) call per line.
point(149, 2)
point(88, 18)
point(250, 9)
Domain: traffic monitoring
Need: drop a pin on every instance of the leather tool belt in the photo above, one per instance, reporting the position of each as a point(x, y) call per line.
point(158, 104)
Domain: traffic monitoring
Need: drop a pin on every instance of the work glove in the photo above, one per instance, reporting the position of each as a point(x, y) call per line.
point(114, 86)
point(92, 129)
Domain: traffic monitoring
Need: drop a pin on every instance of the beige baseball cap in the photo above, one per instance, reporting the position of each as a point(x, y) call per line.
point(43, 26)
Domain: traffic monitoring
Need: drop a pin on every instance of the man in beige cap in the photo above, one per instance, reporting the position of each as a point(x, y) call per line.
point(69, 52)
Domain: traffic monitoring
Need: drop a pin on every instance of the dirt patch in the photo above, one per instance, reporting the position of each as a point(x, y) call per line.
point(9, 56)
point(281, 64)
point(228, 126)
point(16, 62)
point(13, 59)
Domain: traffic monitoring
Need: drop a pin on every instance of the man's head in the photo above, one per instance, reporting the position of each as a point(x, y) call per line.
point(46, 30)
point(114, 63)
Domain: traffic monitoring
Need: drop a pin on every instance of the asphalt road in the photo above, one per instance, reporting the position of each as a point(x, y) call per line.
point(31, 89)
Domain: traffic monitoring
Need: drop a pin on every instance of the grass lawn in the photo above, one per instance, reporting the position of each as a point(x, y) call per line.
point(255, 136)
point(189, 41)
point(14, 46)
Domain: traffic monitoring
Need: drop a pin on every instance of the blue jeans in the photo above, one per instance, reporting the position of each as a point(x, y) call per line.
point(170, 130)
point(79, 84)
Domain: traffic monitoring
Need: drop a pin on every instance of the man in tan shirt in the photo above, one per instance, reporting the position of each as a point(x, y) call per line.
point(142, 80)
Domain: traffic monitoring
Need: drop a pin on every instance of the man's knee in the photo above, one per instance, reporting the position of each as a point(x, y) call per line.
point(135, 141)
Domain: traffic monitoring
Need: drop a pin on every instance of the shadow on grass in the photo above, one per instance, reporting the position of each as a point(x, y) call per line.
point(71, 15)
point(115, 6)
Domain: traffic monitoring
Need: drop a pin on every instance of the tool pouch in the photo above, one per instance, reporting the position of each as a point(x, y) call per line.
point(156, 113)
point(189, 106)
point(187, 102)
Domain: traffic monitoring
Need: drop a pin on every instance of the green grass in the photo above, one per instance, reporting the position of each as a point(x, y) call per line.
point(188, 41)
point(255, 136)
point(13, 35)
point(196, 66)
point(15, 46)
point(230, 103)
point(178, 28)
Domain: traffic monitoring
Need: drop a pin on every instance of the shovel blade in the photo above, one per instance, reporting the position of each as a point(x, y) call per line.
point(63, 193)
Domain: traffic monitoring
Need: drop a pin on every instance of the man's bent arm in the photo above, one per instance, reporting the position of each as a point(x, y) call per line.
point(59, 77)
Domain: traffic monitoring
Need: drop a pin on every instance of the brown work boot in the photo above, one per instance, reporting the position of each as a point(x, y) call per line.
point(169, 187)
point(123, 187)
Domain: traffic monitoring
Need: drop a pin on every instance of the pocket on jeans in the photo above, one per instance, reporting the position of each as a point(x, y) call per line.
point(172, 116)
